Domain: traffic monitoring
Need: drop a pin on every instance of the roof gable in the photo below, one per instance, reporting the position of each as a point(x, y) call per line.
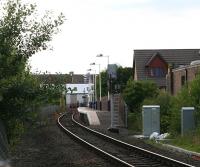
point(174, 57)
point(157, 56)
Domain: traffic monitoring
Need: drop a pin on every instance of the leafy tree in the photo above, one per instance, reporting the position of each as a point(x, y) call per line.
point(136, 91)
point(123, 75)
point(104, 86)
point(22, 34)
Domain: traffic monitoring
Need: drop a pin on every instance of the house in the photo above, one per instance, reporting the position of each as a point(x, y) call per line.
point(53, 78)
point(153, 64)
point(178, 77)
point(59, 78)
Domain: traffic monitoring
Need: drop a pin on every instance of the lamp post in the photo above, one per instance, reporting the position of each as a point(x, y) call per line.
point(71, 73)
point(101, 55)
point(99, 82)
point(94, 82)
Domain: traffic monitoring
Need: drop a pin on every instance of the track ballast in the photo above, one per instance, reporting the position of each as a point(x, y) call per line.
point(118, 152)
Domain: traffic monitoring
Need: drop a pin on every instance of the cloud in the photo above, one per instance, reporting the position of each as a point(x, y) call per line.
point(173, 5)
point(115, 28)
point(163, 6)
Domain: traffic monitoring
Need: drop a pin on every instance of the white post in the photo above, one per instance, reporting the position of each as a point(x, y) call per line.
point(99, 84)
point(101, 55)
point(108, 88)
point(95, 88)
point(93, 99)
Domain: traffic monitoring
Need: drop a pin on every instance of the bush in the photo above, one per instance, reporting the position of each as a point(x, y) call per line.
point(136, 91)
point(21, 36)
point(134, 122)
point(165, 101)
point(189, 96)
point(194, 95)
point(16, 128)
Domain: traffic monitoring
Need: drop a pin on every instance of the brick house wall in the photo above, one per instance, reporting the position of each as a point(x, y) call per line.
point(183, 75)
point(192, 72)
point(177, 75)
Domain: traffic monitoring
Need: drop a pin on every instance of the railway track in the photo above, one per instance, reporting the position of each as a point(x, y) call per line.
point(118, 152)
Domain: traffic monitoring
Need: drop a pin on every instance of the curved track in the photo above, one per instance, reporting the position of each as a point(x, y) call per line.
point(119, 152)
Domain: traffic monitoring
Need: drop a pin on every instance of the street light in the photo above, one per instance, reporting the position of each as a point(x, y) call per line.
point(99, 82)
point(94, 82)
point(101, 55)
point(71, 73)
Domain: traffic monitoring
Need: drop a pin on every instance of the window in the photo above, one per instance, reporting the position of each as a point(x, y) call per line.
point(183, 79)
point(157, 72)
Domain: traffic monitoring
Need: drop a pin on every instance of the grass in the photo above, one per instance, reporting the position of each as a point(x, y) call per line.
point(191, 141)
point(134, 123)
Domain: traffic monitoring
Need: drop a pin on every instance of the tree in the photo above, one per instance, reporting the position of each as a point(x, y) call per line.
point(136, 91)
point(22, 34)
point(104, 86)
point(123, 75)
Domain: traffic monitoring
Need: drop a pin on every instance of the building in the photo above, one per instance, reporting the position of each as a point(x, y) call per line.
point(60, 78)
point(79, 94)
point(178, 77)
point(154, 64)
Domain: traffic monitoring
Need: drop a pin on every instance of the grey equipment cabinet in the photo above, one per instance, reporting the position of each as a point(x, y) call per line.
point(187, 120)
point(151, 119)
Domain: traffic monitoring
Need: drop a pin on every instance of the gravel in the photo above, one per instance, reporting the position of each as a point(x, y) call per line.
point(48, 146)
point(104, 118)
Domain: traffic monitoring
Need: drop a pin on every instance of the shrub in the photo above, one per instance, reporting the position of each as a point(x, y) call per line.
point(134, 122)
point(194, 95)
point(136, 91)
point(165, 101)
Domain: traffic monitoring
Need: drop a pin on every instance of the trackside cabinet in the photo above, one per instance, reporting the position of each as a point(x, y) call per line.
point(151, 119)
point(187, 119)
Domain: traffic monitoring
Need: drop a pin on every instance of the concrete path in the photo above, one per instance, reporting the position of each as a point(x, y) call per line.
point(91, 115)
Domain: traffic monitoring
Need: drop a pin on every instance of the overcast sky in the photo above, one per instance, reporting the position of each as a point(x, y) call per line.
point(116, 28)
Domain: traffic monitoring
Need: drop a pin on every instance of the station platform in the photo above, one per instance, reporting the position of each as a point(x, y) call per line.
point(91, 115)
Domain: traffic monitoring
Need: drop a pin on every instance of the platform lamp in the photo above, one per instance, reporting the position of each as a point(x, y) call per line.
point(94, 82)
point(101, 55)
point(99, 83)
